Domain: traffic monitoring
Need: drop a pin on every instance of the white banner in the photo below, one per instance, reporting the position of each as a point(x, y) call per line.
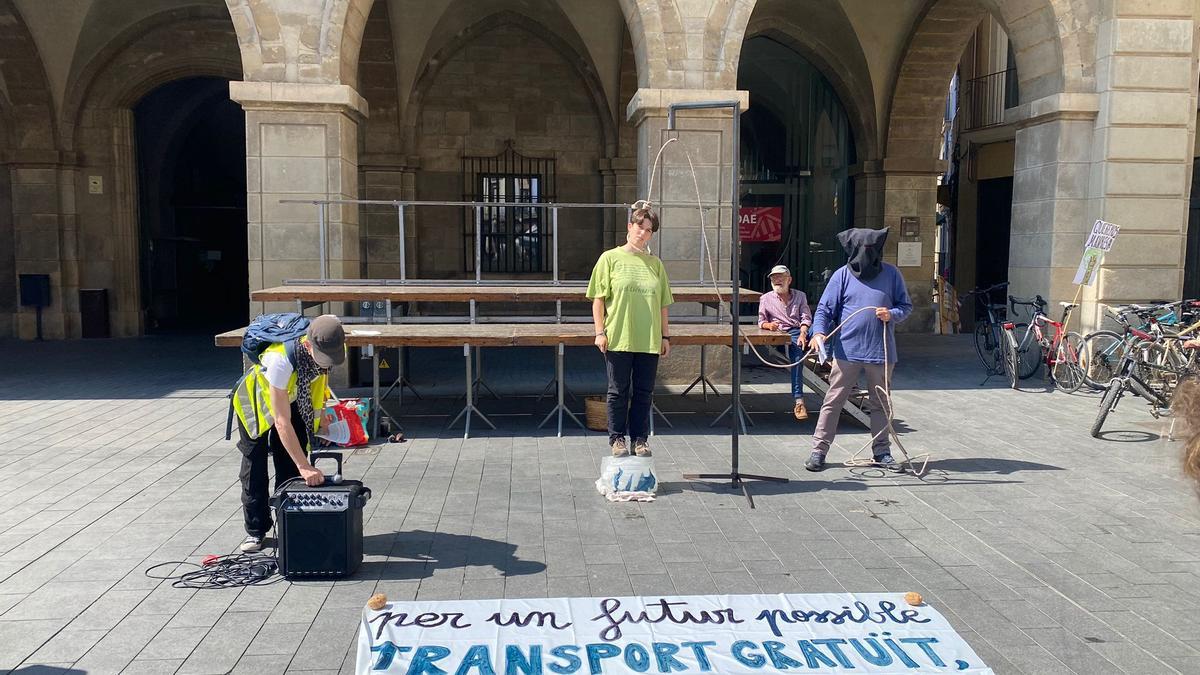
point(825, 633)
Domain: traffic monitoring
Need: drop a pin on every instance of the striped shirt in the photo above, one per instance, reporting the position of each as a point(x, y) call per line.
point(791, 314)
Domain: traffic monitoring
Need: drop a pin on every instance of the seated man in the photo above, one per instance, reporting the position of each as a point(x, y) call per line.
point(784, 309)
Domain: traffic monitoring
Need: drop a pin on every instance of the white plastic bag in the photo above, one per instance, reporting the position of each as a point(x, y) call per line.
point(629, 478)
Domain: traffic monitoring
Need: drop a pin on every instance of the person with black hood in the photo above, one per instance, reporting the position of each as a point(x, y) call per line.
point(858, 346)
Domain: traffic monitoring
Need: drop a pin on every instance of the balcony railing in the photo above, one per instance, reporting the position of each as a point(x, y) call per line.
point(984, 99)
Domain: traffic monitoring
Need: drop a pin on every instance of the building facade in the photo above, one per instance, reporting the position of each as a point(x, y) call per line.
point(128, 128)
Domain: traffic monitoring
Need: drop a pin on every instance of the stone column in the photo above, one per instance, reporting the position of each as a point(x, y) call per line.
point(44, 238)
point(1050, 191)
point(301, 144)
point(909, 190)
point(620, 187)
point(391, 177)
point(1142, 154)
point(126, 300)
point(707, 136)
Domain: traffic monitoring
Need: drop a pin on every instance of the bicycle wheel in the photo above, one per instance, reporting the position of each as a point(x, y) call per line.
point(1107, 404)
point(1102, 351)
point(1011, 359)
point(1068, 374)
point(1029, 356)
point(984, 339)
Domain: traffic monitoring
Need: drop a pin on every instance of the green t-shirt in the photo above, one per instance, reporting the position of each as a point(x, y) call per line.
point(635, 289)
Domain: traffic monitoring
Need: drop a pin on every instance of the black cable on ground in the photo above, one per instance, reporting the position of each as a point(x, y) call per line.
point(222, 571)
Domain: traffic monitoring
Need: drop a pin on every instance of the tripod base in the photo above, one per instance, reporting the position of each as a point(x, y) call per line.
point(736, 481)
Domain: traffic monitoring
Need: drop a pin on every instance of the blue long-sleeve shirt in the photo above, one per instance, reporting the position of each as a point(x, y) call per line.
point(861, 339)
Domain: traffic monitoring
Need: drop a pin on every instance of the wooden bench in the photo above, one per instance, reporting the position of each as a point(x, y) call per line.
point(509, 335)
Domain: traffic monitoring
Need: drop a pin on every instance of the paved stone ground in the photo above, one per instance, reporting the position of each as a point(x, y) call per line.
point(1049, 551)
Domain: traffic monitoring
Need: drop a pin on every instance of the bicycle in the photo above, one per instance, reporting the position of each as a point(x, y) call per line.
point(1058, 351)
point(1129, 378)
point(987, 332)
point(1103, 349)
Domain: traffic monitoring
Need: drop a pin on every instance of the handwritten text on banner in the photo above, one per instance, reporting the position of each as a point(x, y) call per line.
point(827, 633)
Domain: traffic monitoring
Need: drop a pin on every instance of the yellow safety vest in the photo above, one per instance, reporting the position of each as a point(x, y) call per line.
point(252, 397)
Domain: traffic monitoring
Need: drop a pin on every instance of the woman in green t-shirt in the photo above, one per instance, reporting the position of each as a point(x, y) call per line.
point(630, 294)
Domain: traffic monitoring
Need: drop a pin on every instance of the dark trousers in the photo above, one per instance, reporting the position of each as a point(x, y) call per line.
point(256, 506)
point(630, 393)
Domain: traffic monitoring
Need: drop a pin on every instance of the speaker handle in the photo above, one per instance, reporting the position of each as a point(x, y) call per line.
point(325, 454)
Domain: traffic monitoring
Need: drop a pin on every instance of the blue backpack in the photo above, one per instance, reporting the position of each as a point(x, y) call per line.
point(264, 331)
point(268, 329)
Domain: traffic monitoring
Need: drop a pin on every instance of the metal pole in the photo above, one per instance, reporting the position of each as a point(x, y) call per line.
point(403, 263)
point(478, 253)
point(735, 307)
point(321, 216)
point(478, 242)
point(554, 221)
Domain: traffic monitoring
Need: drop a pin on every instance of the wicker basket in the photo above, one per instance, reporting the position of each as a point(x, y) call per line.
point(597, 413)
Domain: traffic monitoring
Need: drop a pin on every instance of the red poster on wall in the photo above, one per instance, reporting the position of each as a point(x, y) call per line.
point(760, 223)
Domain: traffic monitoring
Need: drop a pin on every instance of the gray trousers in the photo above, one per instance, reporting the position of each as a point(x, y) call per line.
point(841, 385)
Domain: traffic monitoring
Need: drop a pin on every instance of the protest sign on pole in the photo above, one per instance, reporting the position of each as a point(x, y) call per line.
point(1099, 242)
point(828, 633)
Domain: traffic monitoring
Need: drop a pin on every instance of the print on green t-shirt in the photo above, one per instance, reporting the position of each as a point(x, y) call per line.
point(635, 288)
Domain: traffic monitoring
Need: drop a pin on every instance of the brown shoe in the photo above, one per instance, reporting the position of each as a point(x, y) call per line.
point(800, 411)
point(619, 449)
point(641, 449)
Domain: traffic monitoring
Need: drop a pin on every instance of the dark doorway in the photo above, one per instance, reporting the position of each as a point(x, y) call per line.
point(796, 154)
point(991, 238)
point(191, 147)
point(1191, 261)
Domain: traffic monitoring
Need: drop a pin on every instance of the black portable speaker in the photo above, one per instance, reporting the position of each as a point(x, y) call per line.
point(320, 529)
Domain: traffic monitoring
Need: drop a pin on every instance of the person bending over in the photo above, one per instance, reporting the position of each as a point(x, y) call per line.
point(277, 406)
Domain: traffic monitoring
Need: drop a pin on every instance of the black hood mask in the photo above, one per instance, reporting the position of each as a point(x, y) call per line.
point(864, 247)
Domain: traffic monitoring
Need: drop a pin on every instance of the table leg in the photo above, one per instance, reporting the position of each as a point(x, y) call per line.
point(561, 406)
point(742, 415)
point(702, 378)
point(470, 408)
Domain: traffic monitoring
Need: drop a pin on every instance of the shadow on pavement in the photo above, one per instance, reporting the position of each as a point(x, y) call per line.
point(1129, 436)
point(416, 554)
point(988, 465)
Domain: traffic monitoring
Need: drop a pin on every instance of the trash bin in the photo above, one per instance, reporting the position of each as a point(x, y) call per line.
point(93, 312)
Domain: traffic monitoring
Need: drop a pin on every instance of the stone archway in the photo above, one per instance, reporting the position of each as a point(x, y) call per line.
point(284, 41)
point(659, 41)
point(98, 122)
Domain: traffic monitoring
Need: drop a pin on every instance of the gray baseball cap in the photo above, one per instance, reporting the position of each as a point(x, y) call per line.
point(780, 269)
point(328, 340)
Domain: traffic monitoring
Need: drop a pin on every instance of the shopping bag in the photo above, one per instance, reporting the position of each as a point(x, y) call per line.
point(344, 422)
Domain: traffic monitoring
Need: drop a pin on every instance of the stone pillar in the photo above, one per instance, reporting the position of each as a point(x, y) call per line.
point(1050, 191)
point(1141, 155)
point(126, 299)
point(44, 238)
point(620, 176)
point(707, 136)
point(301, 144)
point(389, 178)
point(909, 190)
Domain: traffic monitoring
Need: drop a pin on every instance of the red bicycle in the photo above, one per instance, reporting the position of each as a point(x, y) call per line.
point(1045, 341)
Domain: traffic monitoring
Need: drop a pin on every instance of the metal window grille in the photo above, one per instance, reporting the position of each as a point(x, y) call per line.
point(515, 239)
